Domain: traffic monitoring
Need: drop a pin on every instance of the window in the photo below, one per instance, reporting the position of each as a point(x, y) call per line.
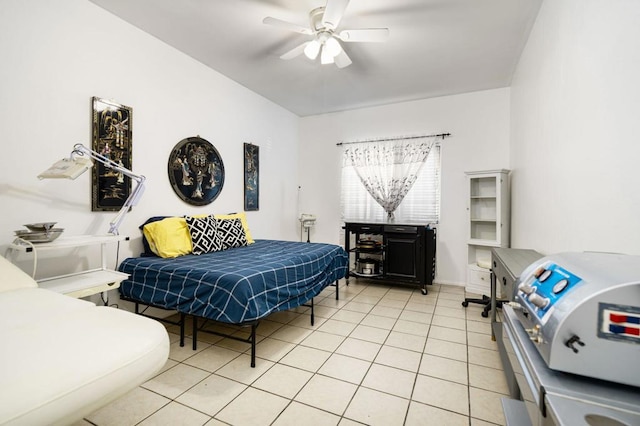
point(420, 205)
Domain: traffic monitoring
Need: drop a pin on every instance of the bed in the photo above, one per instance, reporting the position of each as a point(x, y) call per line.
point(240, 285)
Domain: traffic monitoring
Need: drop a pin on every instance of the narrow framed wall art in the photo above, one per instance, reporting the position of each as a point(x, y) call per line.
point(251, 177)
point(111, 137)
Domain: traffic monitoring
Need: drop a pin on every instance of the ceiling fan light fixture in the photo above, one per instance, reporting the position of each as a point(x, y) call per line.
point(332, 46)
point(312, 49)
point(326, 57)
point(326, 41)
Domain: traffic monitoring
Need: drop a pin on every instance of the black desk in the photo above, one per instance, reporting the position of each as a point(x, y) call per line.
point(406, 253)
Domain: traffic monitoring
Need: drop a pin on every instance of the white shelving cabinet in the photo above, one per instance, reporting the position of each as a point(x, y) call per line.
point(488, 224)
point(77, 284)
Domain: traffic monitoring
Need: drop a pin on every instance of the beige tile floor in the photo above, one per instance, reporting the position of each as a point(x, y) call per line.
point(381, 355)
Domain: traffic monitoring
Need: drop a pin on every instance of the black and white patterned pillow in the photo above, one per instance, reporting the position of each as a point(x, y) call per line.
point(231, 233)
point(204, 235)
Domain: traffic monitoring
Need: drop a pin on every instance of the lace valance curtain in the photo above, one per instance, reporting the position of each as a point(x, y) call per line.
point(388, 169)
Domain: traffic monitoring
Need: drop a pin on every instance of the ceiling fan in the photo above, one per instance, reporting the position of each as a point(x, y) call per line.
point(323, 24)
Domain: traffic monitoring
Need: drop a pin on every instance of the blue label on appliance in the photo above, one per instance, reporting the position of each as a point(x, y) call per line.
point(550, 286)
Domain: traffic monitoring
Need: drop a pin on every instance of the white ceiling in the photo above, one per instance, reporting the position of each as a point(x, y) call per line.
point(435, 47)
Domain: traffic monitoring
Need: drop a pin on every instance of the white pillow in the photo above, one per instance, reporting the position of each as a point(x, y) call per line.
point(484, 263)
point(12, 277)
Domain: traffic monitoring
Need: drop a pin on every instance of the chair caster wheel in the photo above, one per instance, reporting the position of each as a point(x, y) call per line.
point(484, 314)
point(465, 304)
point(424, 291)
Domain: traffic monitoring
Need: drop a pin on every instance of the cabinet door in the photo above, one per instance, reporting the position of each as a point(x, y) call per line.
point(488, 208)
point(401, 256)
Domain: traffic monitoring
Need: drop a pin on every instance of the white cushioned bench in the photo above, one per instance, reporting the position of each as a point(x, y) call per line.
point(62, 358)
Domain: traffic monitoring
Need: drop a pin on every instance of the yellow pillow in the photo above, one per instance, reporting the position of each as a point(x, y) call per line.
point(243, 219)
point(168, 237)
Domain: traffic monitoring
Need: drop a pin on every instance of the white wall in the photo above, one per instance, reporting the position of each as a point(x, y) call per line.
point(57, 55)
point(575, 129)
point(479, 124)
point(567, 128)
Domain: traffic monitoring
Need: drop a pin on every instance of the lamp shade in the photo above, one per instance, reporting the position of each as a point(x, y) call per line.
point(332, 46)
point(325, 57)
point(67, 168)
point(312, 49)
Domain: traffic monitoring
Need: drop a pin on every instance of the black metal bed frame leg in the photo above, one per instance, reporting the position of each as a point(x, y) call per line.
point(253, 345)
point(181, 322)
point(337, 289)
point(195, 332)
point(181, 329)
point(312, 316)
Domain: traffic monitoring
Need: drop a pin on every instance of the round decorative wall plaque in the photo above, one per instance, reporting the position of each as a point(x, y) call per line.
point(196, 171)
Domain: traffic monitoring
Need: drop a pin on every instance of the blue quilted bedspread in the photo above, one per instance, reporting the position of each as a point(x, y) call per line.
point(237, 285)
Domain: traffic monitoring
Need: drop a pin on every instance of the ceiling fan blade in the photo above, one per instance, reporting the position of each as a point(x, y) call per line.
point(333, 12)
point(365, 35)
point(286, 25)
point(296, 51)
point(342, 60)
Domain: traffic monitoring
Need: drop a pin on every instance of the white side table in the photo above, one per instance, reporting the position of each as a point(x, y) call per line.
point(77, 284)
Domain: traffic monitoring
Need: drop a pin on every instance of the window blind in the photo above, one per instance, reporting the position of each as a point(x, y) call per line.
point(420, 205)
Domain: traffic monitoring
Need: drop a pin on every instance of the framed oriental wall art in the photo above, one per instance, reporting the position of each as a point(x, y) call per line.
point(196, 171)
point(111, 137)
point(251, 177)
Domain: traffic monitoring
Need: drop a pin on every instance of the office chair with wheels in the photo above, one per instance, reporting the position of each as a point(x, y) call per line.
point(485, 300)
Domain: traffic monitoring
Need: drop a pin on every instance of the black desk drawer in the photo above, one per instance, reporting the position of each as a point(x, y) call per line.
point(362, 228)
point(401, 229)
